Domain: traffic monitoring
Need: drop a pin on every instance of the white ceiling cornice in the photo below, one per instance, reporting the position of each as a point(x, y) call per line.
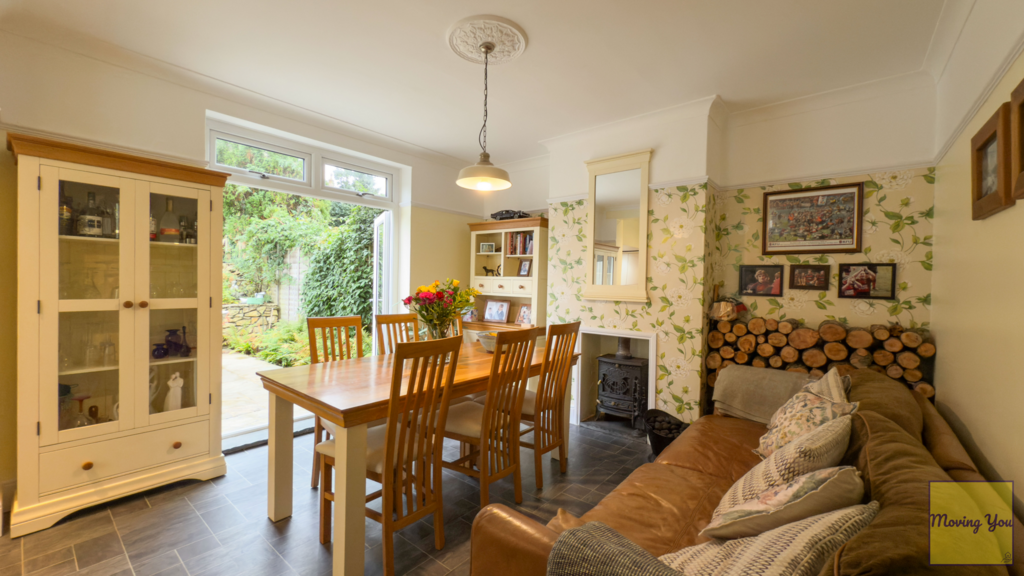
point(947, 32)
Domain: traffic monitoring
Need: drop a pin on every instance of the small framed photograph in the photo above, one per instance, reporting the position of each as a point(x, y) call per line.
point(487, 247)
point(525, 266)
point(497, 311)
point(867, 281)
point(761, 280)
point(990, 166)
point(1017, 140)
point(471, 315)
point(524, 315)
point(809, 276)
point(825, 220)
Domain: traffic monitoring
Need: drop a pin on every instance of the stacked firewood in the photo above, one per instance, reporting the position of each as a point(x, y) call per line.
point(901, 354)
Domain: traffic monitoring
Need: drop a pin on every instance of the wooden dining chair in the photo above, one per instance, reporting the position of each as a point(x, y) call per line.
point(395, 329)
point(489, 432)
point(336, 345)
point(404, 455)
point(545, 407)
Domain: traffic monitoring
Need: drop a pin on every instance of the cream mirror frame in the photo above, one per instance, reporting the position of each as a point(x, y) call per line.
point(616, 263)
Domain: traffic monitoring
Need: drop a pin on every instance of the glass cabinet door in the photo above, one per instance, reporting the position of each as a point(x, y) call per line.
point(174, 267)
point(86, 304)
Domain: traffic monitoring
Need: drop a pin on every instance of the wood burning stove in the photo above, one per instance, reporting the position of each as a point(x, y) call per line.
point(622, 385)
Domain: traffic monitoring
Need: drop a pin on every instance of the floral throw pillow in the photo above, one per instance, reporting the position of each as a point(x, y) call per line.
point(818, 403)
point(805, 496)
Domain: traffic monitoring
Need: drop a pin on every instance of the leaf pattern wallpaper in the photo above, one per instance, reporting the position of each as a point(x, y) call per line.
point(675, 287)
point(898, 211)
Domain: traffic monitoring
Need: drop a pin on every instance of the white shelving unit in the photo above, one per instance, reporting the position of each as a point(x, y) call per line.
point(97, 418)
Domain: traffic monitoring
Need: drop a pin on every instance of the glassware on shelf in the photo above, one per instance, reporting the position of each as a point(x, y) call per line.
point(66, 227)
point(65, 406)
point(107, 215)
point(81, 419)
point(170, 228)
point(90, 223)
point(159, 351)
point(186, 350)
point(152, 227)
point(108, 352)
point(173, 341)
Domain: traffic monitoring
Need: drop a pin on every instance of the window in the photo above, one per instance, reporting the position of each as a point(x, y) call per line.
point(259, 159)
point(340, 176)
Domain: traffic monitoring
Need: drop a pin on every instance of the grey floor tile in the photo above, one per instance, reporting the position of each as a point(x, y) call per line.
point(308, 559)
point(461, 569)
point(155, 531)
point(178, 570)
point(250, 556)
point(60, 569)
point(429, 568)
point(158, 564)
point(456, 544)
point(12, 570)
point(83, 526)
point(97, 550)
point(117, 566)
point(49, 559)
point(127, 505)
point(223, 518)
point(407, 557)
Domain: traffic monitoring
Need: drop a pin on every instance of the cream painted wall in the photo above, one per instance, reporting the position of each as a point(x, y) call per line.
point(978, 311)
point(440, 247)
point(8, 323)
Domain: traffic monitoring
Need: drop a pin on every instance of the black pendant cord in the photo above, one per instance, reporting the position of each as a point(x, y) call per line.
point(482, 137)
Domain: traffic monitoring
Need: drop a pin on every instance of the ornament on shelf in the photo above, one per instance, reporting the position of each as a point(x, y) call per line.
point(173, 399)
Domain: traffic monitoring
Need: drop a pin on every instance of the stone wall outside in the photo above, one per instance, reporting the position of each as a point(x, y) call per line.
point(250, 318)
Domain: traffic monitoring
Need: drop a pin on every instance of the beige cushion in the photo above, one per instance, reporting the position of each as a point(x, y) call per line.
point(814, 493)
point(817, 403)
point(529, 401)
point(797, 549)
point(465, 419)
point(375, 445)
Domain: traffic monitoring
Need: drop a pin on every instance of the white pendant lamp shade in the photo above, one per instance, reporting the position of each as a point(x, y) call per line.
point(484, 176)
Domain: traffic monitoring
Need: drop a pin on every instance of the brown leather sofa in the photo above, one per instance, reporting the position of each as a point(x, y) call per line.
point(899, 443)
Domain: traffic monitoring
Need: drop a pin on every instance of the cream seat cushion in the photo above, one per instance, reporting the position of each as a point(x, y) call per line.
point(529, 401)
point(375, 446)
point(465, 419)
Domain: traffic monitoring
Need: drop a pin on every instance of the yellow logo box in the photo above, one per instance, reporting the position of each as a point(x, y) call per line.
point(971, 523)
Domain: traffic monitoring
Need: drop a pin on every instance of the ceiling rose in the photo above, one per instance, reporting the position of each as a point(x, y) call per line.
point(466, 36)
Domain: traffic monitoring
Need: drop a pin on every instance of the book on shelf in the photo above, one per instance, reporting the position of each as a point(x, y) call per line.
point(519, 244)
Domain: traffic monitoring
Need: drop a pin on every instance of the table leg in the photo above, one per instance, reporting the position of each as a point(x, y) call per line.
point(349, 500)
point(566, 409)
point(279, 490)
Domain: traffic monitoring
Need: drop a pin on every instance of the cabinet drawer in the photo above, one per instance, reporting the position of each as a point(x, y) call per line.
point(62, 469)
point(522, 286)
point(483, 284)
point(502, 285)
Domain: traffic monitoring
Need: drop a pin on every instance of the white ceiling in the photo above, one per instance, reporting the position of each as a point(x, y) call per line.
point(384, 65)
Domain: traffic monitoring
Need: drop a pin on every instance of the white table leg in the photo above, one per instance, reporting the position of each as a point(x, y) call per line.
point(349, 500)
point(279, 491)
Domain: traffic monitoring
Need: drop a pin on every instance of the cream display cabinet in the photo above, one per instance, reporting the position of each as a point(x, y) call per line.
point(119, 327)
point(499, 250)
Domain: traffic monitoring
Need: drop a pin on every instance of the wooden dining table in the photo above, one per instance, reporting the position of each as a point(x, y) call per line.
point(350, 394)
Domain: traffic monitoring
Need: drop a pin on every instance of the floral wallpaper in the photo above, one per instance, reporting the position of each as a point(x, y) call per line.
point(675, 286)
point(898, 212)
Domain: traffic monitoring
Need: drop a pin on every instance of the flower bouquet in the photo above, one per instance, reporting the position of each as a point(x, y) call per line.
point(438, 305)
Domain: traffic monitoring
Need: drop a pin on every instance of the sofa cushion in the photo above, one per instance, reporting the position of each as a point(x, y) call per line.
point(717, 446)
point(820, 448)
point(896, 469)
point(883, 395)
point(940, 439)
point(660, 508)
point(755, 393)
point(817, 403)
point(813, 493)
point(798, 549)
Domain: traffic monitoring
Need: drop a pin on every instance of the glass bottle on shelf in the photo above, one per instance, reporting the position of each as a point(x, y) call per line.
point(67, 222)
point(183, 227)
point(152, 227)
point(108, 221)
point(170, 230)
point(89, 221)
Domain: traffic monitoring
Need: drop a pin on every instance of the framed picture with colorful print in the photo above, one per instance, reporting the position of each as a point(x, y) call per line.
point(990, 166)
point(825, 220)
point(1017, 141)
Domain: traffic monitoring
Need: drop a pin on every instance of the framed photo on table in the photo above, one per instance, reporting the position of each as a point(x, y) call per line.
point(990, 166)
point(497, 311)
point(809, 276)
point(524, 315)
point(867, 281)
point(761, 280)
point(826, 220)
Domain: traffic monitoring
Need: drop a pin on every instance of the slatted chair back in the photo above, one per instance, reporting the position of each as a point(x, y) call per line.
point(499, 435)
point(394, 329)
point(334, 334)
point(554, 377)
point(457, 326)
point(415, 433)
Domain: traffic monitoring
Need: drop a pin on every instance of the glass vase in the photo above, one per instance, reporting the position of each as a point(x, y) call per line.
point(438, 331)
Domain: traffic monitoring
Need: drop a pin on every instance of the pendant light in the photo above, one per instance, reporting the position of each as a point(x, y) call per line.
point(484, 176)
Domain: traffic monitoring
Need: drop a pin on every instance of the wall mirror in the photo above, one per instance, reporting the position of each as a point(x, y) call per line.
point(617, 231)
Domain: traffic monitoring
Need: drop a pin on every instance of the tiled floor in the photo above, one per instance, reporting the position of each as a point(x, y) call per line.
point(245, 404)
point(220, 527)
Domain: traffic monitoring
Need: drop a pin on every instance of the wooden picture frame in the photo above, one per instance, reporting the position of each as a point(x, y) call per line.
point(524, 316)
point(990, 185)
point(525, 267)
point(806, 211)
point(809, 276)
point(880, 283)
point(751, 284)
point(1017, 141)
point(487, 248)
point(497, 311)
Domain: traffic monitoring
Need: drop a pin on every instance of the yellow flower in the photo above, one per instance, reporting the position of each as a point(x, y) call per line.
point(436, 283)
point(455, 283)
point(421, 289)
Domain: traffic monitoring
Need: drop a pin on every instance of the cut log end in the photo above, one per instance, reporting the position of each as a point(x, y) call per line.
point(747, 343)
point(716, 339)
point(724, 326)
point(776, 361)
point(789, 354)
point(832, 331)
point(804, 338)
point(925, 389)
point(814, 357)
point(859, 338)
point(757, 326)
point(893, 345)
point(836, 351)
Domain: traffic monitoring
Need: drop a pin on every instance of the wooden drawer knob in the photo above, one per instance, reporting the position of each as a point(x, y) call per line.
point(176, 445)
point(521, 287)
point(128, 304)
point(502, 286)
point(87, 466)
point(143, 304)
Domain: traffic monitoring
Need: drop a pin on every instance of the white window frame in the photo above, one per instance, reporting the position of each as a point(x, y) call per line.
point(308, 165)
point(330, 161)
